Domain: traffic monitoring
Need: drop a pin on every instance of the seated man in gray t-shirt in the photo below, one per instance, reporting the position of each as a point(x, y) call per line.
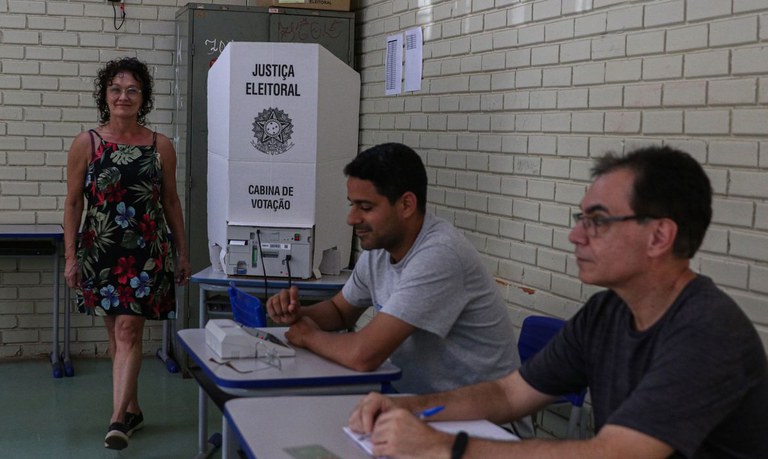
point(440, 316)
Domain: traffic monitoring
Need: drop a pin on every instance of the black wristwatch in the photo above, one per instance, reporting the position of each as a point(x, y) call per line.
point(459, 445)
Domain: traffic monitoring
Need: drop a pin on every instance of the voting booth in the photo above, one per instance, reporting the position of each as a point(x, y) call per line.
point(282, 124)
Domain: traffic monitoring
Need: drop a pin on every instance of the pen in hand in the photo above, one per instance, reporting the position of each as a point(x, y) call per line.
point(430, 411)
point(422, 415)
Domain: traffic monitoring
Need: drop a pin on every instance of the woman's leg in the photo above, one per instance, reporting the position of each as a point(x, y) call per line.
point(125, 345)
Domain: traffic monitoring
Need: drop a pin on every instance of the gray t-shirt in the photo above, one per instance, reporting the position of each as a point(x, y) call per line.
point(696, 380)
point(441, 287)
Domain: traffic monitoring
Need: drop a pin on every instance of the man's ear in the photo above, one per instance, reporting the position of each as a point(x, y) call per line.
point(662, 239)
point(409, 204)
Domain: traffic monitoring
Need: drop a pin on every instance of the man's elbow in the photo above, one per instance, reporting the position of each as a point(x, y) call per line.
point(365, 362)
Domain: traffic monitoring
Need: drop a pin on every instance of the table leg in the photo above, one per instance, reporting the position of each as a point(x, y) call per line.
point(163, 353)
point(228, 442)
point(202, 423)
point(69, 370)
point(202, 312)
point(55, 358)
point(205, 446)
point(66, 361)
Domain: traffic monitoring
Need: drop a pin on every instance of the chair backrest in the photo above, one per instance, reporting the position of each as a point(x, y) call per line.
point(535, 333)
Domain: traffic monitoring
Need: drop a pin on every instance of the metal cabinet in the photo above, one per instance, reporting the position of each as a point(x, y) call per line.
point(202, 32)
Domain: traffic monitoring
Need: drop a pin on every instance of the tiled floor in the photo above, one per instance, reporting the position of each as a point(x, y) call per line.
point(43, 417)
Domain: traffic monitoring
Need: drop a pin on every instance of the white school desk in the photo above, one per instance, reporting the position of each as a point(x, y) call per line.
point(304, 374)
point(16, 241)
point(266, 427)
point(217, 281)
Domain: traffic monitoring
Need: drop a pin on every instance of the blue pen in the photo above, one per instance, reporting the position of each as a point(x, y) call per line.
point(431, 411)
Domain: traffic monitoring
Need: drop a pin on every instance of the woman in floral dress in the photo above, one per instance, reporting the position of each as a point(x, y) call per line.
point(124, 266)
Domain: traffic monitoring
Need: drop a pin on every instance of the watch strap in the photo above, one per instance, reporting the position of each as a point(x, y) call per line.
point(459, 445)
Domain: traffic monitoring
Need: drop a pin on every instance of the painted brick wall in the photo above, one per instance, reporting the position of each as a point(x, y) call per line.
point(517, 97)
point(50, 52)
point(520, 95)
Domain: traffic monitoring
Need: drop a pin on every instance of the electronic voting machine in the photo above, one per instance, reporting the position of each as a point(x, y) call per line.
point(230, 340)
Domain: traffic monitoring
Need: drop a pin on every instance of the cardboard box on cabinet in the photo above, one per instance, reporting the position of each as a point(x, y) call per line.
point(330, 5)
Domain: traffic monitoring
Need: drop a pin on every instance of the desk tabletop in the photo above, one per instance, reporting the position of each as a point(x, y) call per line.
point(209, 276)
point(267, 427)
point(276, 427)
point(31, 232)
point(306, 373)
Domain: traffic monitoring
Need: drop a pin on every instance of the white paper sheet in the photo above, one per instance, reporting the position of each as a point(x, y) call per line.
point(413, 59)
point(476, 429)
point(393, 65)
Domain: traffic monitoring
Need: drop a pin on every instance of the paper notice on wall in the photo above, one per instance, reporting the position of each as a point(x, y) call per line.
point(413, 59)
point(393, 65)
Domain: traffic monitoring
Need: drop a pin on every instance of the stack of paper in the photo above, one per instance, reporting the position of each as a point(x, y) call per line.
point(475, 429)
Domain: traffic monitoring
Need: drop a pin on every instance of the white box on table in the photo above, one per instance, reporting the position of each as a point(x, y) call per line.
point(230, 340)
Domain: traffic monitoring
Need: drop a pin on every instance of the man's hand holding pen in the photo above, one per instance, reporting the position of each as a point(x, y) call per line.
point(396, 431)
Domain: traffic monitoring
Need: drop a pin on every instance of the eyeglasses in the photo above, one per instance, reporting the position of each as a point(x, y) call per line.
point(264, 354)
point(116, 91)
point(268, 355)
point(592, 223)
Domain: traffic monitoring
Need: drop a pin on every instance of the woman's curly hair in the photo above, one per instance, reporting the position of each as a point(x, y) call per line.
point(104, 78)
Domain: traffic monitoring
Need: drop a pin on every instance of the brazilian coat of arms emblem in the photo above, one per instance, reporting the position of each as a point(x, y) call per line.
point(272, 130)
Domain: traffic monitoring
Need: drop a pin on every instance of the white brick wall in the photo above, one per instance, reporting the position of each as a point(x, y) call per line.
point(518, 96)
point(581, 78)
point(49, 53)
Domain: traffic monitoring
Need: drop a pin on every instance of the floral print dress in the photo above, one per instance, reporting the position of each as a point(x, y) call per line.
point(124, 251)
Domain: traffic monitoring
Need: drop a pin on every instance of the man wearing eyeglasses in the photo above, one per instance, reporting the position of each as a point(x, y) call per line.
point(674, 367)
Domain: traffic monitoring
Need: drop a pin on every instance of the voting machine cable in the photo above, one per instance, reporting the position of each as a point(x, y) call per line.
point(263, 268)
point(288, 267)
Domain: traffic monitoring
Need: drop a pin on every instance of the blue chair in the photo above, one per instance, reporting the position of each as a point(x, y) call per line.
point(535, 333)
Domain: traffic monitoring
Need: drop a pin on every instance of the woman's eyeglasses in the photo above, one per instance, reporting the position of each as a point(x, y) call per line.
point(131, 92)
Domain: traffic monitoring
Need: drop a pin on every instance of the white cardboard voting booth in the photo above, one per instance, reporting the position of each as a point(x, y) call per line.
point(282, 124)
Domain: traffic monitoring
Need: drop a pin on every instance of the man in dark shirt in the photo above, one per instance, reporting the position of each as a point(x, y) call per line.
point(674, 367)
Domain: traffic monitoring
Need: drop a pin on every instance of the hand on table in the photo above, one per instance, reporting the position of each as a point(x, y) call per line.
point(283, 307)
point(299, 330)
point(366, 411)
point(398, 433)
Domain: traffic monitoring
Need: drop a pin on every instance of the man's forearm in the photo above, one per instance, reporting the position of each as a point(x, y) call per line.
point(479, 401)
point(325, 314)
point(531, 449)
point(343, 348)
point(611, 442)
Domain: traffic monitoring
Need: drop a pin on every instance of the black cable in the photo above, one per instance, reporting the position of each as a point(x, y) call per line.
point(288, 266)
point(114, 15)
point(263, 267)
